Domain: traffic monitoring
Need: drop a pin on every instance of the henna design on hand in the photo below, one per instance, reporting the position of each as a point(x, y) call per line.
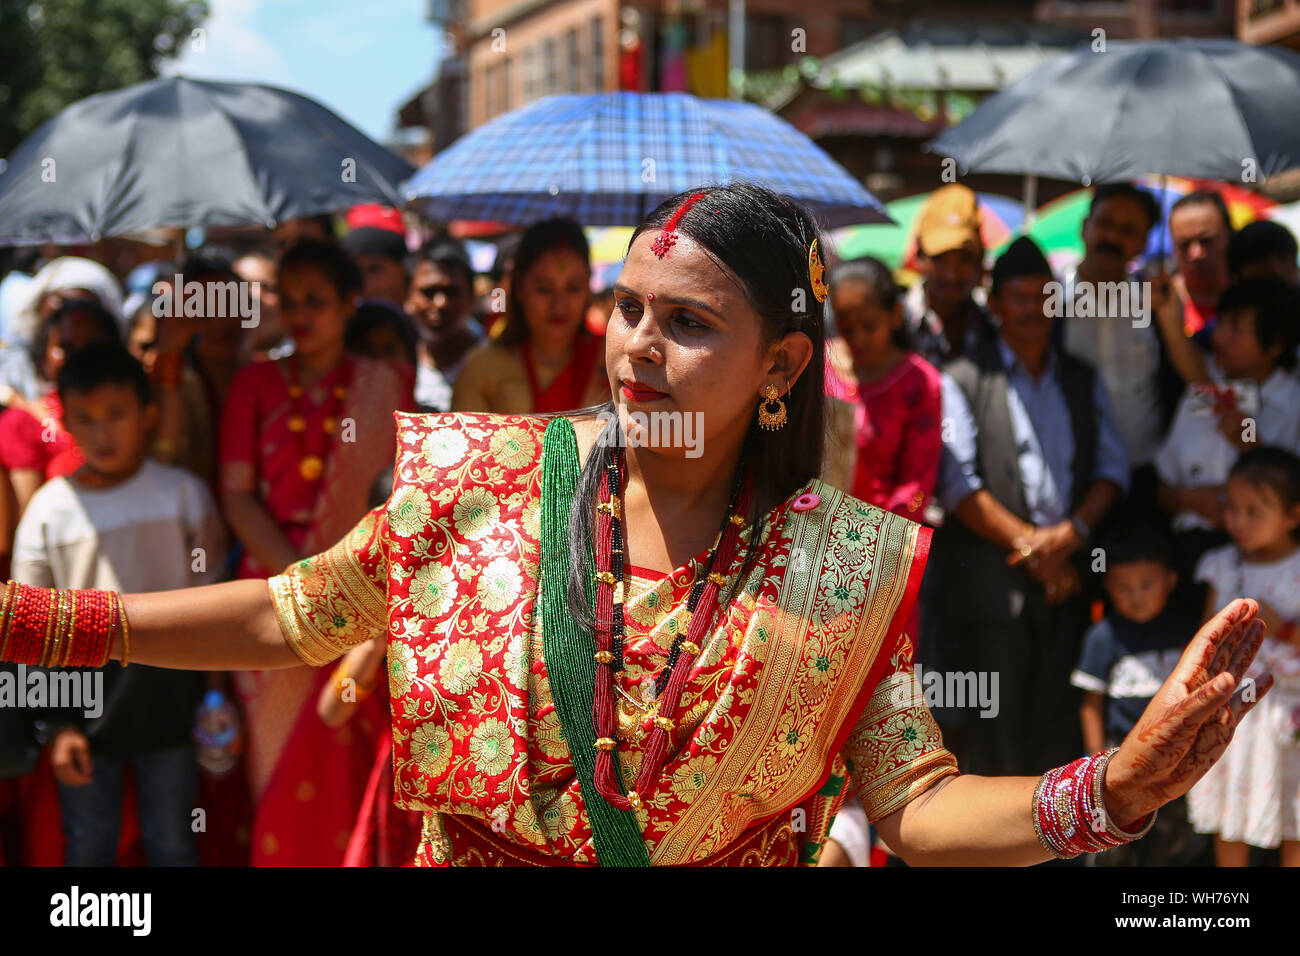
point(1190, 721)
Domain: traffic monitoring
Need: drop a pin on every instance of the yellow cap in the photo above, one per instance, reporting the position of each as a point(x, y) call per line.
point(950, 220)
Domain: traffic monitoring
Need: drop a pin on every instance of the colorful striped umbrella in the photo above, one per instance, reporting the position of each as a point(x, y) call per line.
point(896, 245)
point(1058, 226)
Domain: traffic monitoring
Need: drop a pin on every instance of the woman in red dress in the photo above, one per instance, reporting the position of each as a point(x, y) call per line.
point(33, 445)
point(544, 360)
point(895, 392)
point(303, 440)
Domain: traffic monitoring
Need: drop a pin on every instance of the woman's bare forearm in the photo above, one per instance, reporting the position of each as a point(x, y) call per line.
point(229, 626)
point(967, 820)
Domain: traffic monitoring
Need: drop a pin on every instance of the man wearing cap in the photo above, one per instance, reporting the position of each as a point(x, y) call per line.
point(377, 243)
point(1032, 461)
point(942, 312)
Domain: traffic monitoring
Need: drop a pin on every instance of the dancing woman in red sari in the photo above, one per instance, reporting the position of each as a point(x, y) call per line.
point(303, 439)
point(545, 360)
point(556, 702)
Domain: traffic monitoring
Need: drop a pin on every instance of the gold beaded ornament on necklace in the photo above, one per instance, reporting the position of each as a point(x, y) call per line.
point(311, 465)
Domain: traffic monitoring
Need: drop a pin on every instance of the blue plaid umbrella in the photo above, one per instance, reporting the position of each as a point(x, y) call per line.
point(610, 158)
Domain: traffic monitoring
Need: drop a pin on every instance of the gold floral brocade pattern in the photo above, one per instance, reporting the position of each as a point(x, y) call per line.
point(449, 569)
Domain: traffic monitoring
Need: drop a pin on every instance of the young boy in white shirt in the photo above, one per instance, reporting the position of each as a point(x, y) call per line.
point(122, 522)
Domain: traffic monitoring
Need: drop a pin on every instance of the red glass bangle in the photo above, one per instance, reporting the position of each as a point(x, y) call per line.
point(1069, 810)
point(58, 628)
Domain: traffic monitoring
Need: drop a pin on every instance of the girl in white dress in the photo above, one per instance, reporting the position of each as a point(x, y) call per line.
point(1252, 795)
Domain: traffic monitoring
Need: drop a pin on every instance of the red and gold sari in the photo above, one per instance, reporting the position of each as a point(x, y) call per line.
point(307, 780)
point(805, 680)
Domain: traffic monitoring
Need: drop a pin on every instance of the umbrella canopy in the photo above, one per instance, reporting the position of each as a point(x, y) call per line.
point(895, 245)
point(181, 152)
point(1215, 109)
point(608, 159)
point(1058, 225)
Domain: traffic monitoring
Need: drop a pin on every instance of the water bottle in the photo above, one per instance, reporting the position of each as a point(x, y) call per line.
point(218, 733)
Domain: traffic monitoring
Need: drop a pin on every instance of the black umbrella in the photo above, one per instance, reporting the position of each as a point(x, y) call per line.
point(181, 152)
point(1214, 109)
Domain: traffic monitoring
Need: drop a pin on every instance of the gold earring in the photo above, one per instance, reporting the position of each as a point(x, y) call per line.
point(771, 420)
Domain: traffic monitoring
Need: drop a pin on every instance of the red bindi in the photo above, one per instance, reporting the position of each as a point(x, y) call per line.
point(650, 296)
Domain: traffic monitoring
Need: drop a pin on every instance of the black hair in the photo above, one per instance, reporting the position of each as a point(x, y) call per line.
point(19, 259)
point(538, 240)
point(445, 254)
point(1275, 304)
point(762, 239)
point(1131, 542)
point(207, 261)
point(373, 315)
point(1270, 467)
point(1200, 197)
point(507, 249)
point(1260, 241)
point(876, 276)
point(106, 327)
point(87, 369)
point(1127, 191)
point(328, 258)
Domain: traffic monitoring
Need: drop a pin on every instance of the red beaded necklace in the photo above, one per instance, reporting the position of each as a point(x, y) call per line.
point(311, 463)
point(671, 680)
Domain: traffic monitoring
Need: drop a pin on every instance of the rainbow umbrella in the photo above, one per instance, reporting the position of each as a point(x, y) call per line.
point(896, 245)
point(1058, 226)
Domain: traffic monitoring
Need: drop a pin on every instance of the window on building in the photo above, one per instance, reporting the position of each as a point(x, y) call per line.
point(767, 42)
point(573, 64)
point(853, 29)
point(530, 74)
point(1189, 6)
point(597, 55)
point(551, 83)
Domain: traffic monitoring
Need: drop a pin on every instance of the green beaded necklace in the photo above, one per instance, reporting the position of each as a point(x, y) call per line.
point(570, 651)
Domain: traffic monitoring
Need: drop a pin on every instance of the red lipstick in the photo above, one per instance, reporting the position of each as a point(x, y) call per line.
point(635, 392)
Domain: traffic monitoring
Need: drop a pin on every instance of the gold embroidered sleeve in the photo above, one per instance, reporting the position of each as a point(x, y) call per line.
point(896, 751)
point(336, 600)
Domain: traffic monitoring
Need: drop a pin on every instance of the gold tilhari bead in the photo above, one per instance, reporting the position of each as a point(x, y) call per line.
point(610, 507)
point(606, 743)
point(663, 723)
point(634, 798)
point(738, 520)
point(718, 578)
point(605, 577)
point(689, 647)
point(604, 657)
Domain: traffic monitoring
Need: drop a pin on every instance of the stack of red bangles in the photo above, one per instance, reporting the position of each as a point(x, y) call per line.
point(60, 627)
point(1070, 810)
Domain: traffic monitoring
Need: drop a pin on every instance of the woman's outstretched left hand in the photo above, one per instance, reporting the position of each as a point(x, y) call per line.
point(1191, 719)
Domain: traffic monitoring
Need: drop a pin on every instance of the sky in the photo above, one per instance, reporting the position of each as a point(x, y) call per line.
point(361, 59)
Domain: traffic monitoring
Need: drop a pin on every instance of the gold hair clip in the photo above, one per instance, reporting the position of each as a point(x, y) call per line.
point(816, 272)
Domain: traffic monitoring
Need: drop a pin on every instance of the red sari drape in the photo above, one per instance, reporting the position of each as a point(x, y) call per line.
point(569, 387)
point(307, 779)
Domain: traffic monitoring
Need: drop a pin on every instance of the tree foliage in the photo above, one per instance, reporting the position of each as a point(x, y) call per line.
point(55, 52)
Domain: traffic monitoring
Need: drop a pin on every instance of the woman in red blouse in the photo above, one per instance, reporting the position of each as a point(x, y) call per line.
point(895, 391)
point(303, 440)
point(544, 358)
point(33, 445)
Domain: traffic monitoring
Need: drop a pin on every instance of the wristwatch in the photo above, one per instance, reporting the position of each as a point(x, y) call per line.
point(1081, 527)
